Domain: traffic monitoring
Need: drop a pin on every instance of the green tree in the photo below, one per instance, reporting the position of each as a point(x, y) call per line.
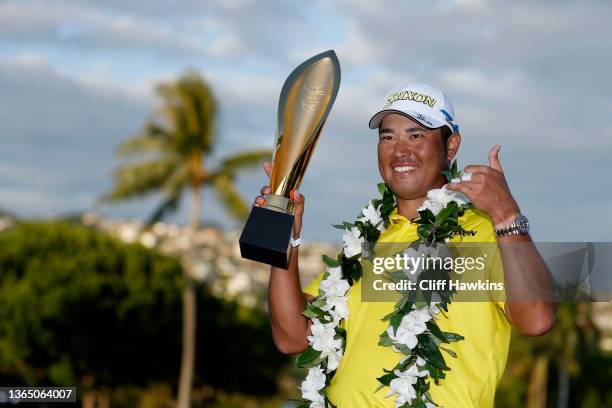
point(564, 368)
point(80, 308)
point(173, 146)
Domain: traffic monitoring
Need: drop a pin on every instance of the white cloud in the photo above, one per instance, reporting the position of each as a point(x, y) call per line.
point(229, 46)
point(29, 59)
point(478, 84)
point(525, 74)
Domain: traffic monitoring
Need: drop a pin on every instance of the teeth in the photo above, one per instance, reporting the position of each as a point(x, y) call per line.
point(403, 169)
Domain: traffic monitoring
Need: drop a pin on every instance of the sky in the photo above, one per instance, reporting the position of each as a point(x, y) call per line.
point(77, 78)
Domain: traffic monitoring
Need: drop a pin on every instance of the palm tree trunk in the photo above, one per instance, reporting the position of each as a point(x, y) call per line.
point(189, 334)
point(189, 311)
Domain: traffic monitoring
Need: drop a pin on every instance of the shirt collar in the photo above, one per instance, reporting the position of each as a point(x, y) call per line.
point(396, 218)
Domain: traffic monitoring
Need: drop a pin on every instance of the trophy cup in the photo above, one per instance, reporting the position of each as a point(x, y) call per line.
point(305, 101)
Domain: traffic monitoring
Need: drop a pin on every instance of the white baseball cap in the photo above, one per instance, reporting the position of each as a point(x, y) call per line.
point(424, 103)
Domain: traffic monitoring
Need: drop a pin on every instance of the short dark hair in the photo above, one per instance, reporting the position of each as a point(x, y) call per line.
point(446, 133)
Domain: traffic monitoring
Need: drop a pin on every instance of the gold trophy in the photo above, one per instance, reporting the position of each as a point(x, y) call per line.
point(305, 101)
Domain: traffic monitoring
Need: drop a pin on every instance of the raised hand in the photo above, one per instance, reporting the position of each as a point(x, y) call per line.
point(297, 199)
point(488, 190)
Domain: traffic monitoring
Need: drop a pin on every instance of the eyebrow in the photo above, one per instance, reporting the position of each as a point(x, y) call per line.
point(413, 129)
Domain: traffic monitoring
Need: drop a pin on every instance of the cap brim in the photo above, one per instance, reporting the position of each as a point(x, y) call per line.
point(428, 122)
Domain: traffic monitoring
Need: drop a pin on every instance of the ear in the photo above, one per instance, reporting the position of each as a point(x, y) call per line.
point(452, 146)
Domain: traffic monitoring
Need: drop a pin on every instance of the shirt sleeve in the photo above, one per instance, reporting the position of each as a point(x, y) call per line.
point(313, 287)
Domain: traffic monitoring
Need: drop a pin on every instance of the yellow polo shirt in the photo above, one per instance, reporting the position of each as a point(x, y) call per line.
point(481, 356)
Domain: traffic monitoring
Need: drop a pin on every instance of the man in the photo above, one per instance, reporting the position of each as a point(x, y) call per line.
point(417, 139)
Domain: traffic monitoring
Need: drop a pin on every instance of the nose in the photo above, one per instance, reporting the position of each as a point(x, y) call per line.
point(402, 148)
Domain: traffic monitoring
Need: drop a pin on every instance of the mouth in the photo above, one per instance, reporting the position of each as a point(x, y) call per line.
point(404, 169)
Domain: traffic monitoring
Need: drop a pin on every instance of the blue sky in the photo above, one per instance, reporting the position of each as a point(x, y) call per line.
point(76, 79)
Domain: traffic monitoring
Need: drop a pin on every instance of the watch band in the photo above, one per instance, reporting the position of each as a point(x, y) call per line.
point(520, 226)
point(295, 242)
point(509, 230)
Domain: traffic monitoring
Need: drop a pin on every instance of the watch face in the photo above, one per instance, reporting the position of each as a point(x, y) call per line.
point(522, 223)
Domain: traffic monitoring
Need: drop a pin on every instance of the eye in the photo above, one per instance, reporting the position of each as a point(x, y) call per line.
point(416, 135)
point(386, 137)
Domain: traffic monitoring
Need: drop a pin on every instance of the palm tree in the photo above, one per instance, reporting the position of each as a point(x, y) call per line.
point(173, 145)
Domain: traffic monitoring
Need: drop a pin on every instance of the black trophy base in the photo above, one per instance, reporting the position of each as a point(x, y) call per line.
point(265, 237)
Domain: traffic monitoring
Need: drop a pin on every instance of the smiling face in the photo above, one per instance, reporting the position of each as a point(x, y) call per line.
point(411, 156)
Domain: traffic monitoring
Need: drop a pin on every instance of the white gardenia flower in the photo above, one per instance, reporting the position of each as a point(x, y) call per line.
point(411, 325)
point(337, 306)
point(404, 391)
point(438, 198)
point(335, 272)
point(440, 195)
point(372, 214)
point(352, 242)
point(414, 371)
point(412, 271)
point(320, 403)
point(333, 359)
point(322, 338)
point(434, 206)
point(314, 382)
point(403, 385)
point(334, 286)
point(456, 196)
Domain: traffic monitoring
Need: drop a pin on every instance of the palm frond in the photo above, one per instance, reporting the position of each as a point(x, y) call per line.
point(153, 137)
point(229, 196)
point(199, 102)
point(134, 180)
point(244, 160)
point(139, 144)
point(177, 180)
point(189, 108)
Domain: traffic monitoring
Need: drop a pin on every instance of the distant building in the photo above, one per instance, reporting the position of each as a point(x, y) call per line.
point(216, 256)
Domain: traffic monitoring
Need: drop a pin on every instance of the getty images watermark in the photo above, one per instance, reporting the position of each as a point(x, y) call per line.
point(474, 272)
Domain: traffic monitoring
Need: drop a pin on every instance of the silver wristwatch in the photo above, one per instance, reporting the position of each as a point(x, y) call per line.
point(520, 226)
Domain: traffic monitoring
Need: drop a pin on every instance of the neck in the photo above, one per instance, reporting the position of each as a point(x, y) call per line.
point(408, 207)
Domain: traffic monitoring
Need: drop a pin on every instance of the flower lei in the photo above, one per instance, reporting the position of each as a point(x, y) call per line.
point(412, 331)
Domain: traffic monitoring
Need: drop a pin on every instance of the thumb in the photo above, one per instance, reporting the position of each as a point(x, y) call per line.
point(298, 211)
point(494, 159)
point(298, 202)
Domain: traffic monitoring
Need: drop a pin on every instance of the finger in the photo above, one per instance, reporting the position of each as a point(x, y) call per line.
point(268, 168)
point(476, 168)
point(259, 201)
point(296, 197)
point(465, 187)
point(298, 201)
point(494, 159)
point(265, 190)
point(298, 211)
point(475, 177)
